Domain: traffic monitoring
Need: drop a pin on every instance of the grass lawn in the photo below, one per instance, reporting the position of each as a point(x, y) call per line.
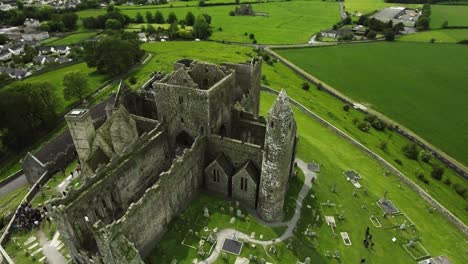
point(369, 6)
point(288, 22)
point(456, 15)
point(335, 156)
point(72, 38)
point(10, 202)
point(440, 35)
point(413, 83)
point(55, 77)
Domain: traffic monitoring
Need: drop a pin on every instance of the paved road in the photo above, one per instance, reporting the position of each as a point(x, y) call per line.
point(13, 185)
point(229, 232)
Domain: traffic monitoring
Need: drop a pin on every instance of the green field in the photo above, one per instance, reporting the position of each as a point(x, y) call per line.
point(55, 77)
point(369, 6)
point(287, 22)
point(428, 96)
point(71, 39)
point(440, 36)
point(455, 15)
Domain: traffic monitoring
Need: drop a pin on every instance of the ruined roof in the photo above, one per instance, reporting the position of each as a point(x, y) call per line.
point(224, 163)
point(281, 109)
point(181, 77)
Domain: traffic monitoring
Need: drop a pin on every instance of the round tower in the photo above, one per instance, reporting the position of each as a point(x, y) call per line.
point(278, 155)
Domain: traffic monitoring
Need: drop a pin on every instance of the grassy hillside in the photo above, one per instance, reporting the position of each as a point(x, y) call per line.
point(413, 83)
point(455, 15)
point(55, 77)
point(287, 22)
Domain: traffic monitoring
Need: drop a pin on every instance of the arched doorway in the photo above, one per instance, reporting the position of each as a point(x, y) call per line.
point(182, 141)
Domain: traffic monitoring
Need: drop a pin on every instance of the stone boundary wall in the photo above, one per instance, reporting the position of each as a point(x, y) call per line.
point(459, 168)
point(453, 219)
point(11, 178)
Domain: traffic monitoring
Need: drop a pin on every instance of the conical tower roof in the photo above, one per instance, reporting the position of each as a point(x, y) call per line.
point(281, 109)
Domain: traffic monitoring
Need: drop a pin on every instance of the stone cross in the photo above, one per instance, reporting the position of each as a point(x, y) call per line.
point(206, 213)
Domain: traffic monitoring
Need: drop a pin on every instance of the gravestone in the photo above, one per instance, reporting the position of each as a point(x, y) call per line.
point(239, 213)
point(233, 219)
point(307, 260)
point(206, 213)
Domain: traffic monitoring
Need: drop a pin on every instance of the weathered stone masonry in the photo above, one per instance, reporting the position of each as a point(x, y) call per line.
point(195, 127)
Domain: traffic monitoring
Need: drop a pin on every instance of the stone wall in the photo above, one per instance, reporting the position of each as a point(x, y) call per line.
point(248, 195)
point(163, 201)
point(108, 194)
point(236, 151)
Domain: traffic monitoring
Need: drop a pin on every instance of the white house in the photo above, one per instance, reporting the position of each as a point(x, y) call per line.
point(31, 23)
point(35, 36)
point(16, 49)
point(62, 50)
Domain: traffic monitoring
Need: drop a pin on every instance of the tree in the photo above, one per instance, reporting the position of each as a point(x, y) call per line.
point(113, 24)
point(150, 29)
point(207, 18)
point(139, 18)
point(149, 17)
point(113, 56)
point(158, 17)
point(445, 24)
point(26, 111)
point(305, 86)
point(371, 34)
point(425, 156)
point(389, 35)
point(75, 85)
point(190, 19)
point(423, 23)
point(69, 20)
point(411, 151)
point(172, 18)
point(251, 36)
point(437, 172)
point(201, 28)
point(3, 39)
point(173, 30)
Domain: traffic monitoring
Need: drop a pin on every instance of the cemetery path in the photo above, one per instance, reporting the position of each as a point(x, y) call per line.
point(13, 185)
point(50, 251)
point(230, 232)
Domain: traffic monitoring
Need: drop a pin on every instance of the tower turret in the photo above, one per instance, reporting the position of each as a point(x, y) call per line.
point(82, 130)
point(278, 157)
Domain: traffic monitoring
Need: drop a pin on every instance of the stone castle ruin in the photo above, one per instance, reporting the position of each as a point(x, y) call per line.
point(197, 127)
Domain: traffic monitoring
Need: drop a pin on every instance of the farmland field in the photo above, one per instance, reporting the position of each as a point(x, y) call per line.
point(429, 96)
point(72, 38)
point(455, 15)
point(440, 36)
point(369, 6)
point(287, 22)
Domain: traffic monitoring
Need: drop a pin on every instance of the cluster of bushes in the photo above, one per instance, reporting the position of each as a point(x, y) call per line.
point(112, 19)
point(60, 23)
point(27, 111)
point(113, 55)
point(423, 21)
point(374, 25)
point(265, 56)
point(370, 121)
